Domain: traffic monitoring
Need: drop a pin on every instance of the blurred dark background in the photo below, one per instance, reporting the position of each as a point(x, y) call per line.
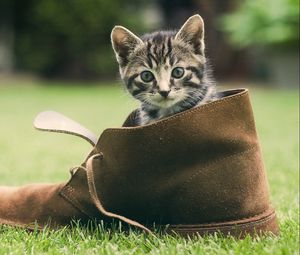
point(256, 40)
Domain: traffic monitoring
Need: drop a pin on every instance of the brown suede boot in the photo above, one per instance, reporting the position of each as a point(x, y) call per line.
point(199, 171)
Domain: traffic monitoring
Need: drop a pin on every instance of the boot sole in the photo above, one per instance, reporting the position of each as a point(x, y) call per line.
point(256, 225)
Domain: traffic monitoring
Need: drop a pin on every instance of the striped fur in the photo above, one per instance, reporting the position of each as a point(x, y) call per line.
point(179, 77)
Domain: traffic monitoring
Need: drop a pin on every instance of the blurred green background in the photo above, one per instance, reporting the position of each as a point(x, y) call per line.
point(253, 40)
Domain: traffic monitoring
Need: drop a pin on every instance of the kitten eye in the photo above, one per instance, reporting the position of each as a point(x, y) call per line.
point(177, 72)
point(147, 76)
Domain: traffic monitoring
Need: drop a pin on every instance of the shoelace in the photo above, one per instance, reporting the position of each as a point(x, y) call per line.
point(96, 200)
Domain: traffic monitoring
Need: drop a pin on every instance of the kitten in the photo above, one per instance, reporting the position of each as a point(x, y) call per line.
point(167, 71)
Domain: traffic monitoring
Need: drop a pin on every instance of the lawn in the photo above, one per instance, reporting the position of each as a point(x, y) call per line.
point(28, 156)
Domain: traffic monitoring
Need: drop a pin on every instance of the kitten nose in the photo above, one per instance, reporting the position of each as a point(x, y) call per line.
point(164, 93)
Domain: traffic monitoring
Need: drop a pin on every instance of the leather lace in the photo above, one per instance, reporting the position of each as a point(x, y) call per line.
point(97, 202)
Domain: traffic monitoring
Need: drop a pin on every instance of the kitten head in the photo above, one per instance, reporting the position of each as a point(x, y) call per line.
point(165, 68)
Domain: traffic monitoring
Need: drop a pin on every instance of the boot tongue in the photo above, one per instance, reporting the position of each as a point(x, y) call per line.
point(55, 122)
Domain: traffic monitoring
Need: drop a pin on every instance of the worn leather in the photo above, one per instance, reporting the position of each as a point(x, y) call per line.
point(199, 171)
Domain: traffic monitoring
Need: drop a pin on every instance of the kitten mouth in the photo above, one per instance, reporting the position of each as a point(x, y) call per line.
point(161, 99)
point(165, 99)
point(164, 102)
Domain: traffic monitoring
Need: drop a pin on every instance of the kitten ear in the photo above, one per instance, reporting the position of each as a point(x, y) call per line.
point(124, 42)
point(192, 32)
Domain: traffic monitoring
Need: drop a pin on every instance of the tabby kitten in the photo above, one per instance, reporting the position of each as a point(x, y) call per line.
point(167, 70)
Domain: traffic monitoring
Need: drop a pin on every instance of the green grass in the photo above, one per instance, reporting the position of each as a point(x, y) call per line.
point(28, 156)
